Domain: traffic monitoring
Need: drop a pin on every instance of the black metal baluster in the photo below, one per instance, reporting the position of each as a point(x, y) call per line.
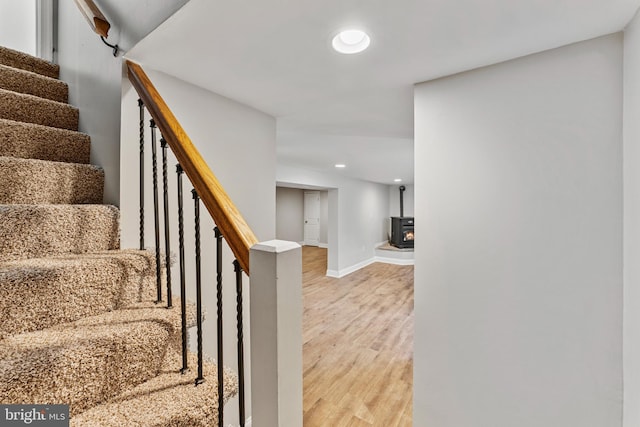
point(183, 291)
point(141, 107)
point(154, 157)
point(167, 245)
point(238, 271)
point(219, 299)
point(196, 199)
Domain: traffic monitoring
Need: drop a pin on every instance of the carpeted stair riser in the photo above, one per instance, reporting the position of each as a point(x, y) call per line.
point(32, 109)
point(80, 328)
point(79, 285)
point(34, 231)
point(91, 360)
point(22, 81)
point(26, 181)
point(171, 397)
point(16, 59)
point(31, 141)
point(110, 280)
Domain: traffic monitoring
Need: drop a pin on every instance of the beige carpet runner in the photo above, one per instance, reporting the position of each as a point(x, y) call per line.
point(79, 324)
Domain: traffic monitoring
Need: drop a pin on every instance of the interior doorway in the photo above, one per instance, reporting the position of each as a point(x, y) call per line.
point(297, 204)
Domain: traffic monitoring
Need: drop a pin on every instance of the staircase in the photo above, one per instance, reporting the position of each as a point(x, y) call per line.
point(79, 321)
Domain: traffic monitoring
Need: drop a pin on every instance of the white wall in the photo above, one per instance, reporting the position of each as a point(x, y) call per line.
point(95, 76)
point(632, 224)
point(289, 214)
point(18, 25)
point(324, 218)
point(518, 290)
point(358, 212)
point(238, 143)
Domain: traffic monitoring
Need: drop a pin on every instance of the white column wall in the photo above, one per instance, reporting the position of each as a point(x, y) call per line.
point(632, 224)
point(518, 289)
point(324, 218)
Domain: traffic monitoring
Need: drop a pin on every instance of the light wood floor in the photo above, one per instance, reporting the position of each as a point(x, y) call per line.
point(358, 344)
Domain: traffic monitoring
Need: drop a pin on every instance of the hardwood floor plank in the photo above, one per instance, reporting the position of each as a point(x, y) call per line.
point(358, 344)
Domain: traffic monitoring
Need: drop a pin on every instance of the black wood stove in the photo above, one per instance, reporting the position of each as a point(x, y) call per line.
point(402, 231)
point(402, 227)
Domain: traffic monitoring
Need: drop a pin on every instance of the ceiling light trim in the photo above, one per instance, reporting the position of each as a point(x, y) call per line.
point(351, 41)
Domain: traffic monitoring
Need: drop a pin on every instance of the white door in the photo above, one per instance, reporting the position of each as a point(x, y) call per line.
point(312, 218)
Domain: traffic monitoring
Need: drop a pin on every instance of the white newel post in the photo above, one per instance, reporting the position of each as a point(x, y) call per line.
point(276, 334)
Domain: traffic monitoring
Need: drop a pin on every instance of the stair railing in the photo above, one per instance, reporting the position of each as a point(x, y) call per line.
point(230, 226)
point(96, 21)
point(278, 264)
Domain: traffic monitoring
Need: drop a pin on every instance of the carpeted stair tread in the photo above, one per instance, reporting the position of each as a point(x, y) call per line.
point(23, 81)
point(24, 61)
point(32, 109)
point(168, 400)
point(29, 181)
point(82, 285)
point(91, 360)
point(34, 231)
point(32, 141)
point(80, 324)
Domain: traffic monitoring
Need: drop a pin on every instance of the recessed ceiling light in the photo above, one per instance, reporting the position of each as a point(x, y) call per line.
point(351, 41)
point(340, 165)
point(397, 180)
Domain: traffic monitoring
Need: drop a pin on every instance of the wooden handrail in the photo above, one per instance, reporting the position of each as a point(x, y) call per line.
point(94, 17)
point(228, 219)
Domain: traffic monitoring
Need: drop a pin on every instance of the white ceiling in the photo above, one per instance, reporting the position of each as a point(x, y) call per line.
point(276, 56)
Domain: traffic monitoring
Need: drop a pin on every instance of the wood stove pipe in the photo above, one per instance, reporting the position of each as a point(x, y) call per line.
point(402, 188)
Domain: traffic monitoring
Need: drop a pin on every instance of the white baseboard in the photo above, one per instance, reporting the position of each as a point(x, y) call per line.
point(338, 274)
point(395, 261)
